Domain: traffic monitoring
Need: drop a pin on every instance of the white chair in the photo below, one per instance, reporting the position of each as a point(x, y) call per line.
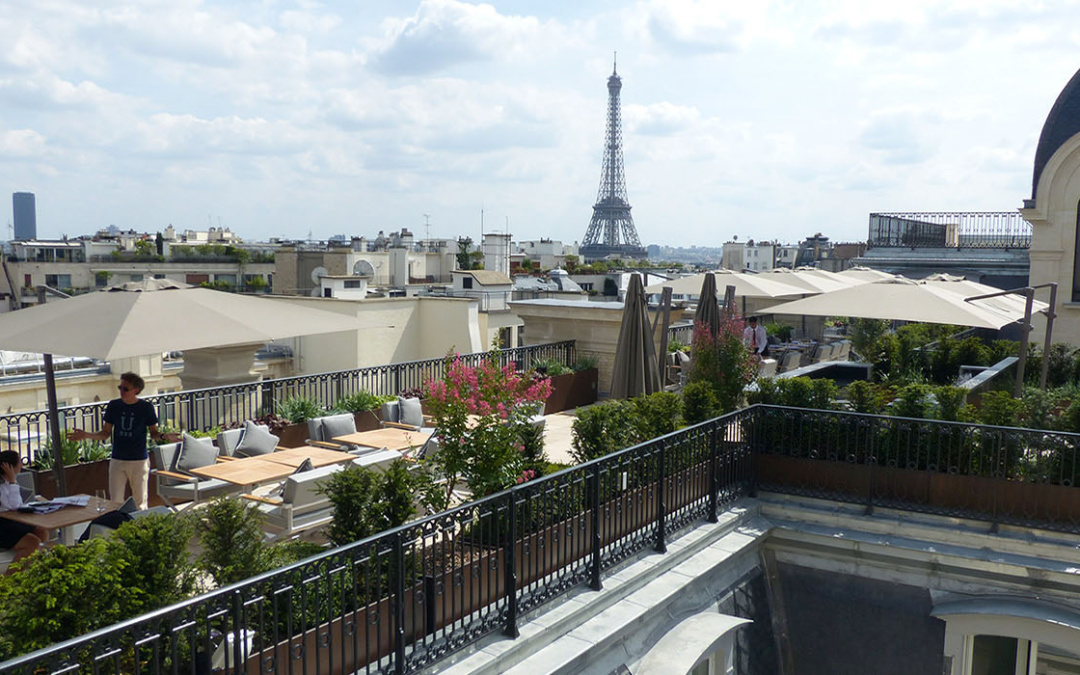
point(792, 360)
point(301, 505)
point(844, 351)
point(406, 413)
point(824, 353)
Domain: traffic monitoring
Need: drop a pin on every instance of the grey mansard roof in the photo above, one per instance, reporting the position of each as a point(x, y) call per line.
point(1061, 124)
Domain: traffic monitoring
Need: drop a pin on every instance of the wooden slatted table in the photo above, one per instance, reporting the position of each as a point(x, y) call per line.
point(389, 438)
point(294, 457)
point(66, 518)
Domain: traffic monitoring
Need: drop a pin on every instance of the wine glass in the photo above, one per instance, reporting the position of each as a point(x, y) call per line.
point(99, 501)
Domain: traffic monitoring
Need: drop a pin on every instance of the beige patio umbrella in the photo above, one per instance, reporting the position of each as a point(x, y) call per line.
point(708, 308)
point(635, 355)
point(1012, 303)
point(809, 281)
point(150, 317)
point(746, 285)
point(904, 300)
point(865, 274)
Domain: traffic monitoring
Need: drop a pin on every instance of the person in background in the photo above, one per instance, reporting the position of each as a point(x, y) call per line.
point(127, 420)
point(21, 538)
point(755, 338)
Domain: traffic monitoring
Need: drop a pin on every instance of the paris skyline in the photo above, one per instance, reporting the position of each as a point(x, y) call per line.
point(280, 118)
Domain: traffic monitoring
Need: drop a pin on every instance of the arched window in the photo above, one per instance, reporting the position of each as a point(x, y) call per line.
point(1076, 260)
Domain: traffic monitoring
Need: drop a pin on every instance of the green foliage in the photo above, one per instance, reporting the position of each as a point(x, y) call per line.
point(233, 546)
point(532, 449)
point(300, 409)
point(865, 334)
point(366, 503)
point(866, 397)
point(63, 593)
point(361, 401)
point(585, 363)
point(914, 400)
point(999, 408)
point(699, 402)
point(950, 403)
point(160, 570)
point(601, 430)
point(1070, 419)
point(551, 367)
point(1060, 367)
point(73, 452)
point(656, 414)
point(780, 331)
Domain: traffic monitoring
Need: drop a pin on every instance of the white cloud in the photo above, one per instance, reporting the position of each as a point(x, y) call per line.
point(659, 118)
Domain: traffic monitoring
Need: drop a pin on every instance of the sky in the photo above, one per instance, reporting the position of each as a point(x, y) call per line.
point(297, 119)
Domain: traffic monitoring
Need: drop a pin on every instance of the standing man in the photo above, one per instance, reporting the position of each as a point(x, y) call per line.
point(755, 338)
point(126, 420)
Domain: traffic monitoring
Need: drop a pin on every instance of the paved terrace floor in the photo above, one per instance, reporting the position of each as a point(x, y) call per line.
point(558, 436)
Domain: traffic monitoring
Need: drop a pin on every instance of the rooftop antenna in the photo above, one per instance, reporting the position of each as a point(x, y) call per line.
point(615, 64)
point(427, 226)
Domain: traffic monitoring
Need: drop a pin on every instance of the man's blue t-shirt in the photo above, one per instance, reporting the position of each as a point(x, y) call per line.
point(129, 425)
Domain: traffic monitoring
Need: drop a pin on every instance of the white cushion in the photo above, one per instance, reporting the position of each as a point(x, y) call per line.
point(410, 412)
point(256, 440)
point(390, 411)
point(195, 453)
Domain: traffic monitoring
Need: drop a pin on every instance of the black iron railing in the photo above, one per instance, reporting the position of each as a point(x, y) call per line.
point(993, 230)
point(1003, 474)
point(405, 598)
point(202, 409)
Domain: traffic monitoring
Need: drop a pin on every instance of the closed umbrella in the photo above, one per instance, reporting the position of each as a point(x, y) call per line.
point(865, 274)
point(708, 310)
point(635, 355)
point(151, 317)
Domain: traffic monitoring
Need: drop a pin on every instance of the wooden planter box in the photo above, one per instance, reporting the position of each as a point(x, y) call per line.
point(572, 390)
point(85, 479)
point(294, 435)
point(996, 497)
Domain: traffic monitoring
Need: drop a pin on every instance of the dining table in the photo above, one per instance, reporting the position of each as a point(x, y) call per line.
point(390, 438)
point(65, 519)
point(246, 471)
point(319, 457)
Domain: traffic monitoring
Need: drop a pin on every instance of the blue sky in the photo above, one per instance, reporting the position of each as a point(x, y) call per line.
point(757, 119)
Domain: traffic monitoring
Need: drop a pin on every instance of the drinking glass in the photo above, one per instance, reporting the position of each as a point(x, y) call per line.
point(99, 501)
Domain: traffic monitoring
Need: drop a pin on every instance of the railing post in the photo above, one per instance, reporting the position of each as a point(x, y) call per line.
point(593, 486)
point(714, 484)
point(399, 604)
point(871, 462)
point(661, 489)
point(510, 570)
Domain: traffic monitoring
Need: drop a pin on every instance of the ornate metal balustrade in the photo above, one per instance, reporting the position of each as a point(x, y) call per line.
point(405, 598)
point(992, 230)
point(1003, 474)
point(203, 409)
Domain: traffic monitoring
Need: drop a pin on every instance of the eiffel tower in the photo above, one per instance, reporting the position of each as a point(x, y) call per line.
point(611, 230)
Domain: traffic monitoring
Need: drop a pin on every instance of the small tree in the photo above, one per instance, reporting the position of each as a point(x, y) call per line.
point(234, 549)
point(723, 362)
point(479, 411)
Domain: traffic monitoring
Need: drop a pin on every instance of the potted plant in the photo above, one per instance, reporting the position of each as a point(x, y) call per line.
point(296, 411)
point(570, 387)
point(365, 407)
point(86, 467)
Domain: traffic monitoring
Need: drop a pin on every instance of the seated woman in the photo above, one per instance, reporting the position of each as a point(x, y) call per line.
point(21, 538)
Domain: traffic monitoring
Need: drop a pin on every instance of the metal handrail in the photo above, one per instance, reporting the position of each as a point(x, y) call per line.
point(204, 409)
point(398, 601)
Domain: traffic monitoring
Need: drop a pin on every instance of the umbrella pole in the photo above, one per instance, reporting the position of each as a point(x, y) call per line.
point(1025, 334)
point(54, 427)
point(665, 313)
point(1049, 334)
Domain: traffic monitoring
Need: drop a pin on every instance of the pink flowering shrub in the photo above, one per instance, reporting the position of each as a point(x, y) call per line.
point(480, 412)
point(722, 362)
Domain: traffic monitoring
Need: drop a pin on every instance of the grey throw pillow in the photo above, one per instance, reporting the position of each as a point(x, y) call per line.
point(195, 453)
point(338, 425)
point(410, 412)
point(256, 440)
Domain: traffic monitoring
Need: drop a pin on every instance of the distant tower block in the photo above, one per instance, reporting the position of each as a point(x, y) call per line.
point(611, 230)
point(25, 216)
